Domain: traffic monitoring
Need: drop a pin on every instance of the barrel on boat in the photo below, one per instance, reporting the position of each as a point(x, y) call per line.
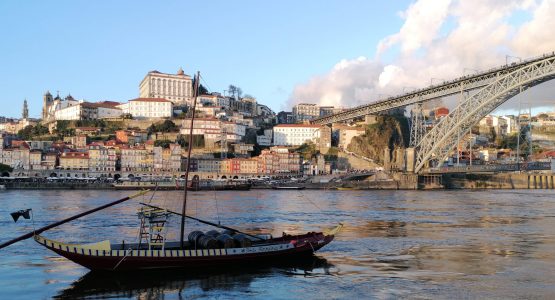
point(213, 233)
point(229, 232)
point(265, 236)
point(226, 241)
point(194, 236)
point(242, 240)
point(207, 242)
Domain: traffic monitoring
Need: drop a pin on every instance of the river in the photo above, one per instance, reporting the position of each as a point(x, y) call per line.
point(415, 244)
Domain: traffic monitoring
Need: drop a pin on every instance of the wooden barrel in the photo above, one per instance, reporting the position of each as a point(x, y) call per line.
point(194, 236)
point(213, 233)
point(242, 240)
point(229, 232)
point(226, 241)
point(207, 242)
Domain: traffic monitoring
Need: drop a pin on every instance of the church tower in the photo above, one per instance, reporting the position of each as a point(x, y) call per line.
point(25, 112)
point(46, 102)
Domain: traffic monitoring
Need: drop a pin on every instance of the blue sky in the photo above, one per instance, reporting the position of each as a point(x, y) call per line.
point(101, 50)
point(281, 52)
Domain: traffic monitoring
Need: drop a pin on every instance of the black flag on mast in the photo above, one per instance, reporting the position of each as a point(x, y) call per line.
point(25, 213)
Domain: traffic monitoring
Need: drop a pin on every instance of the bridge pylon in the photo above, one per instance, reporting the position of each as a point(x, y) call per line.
point(417, 125)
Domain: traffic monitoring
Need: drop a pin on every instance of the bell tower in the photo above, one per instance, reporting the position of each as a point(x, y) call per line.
point(46, 102)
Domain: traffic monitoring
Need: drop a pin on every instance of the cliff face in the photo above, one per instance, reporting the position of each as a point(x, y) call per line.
point(388, 132)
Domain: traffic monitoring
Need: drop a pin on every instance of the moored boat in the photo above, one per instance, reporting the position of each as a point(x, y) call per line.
point(120, 257)
point(288, 187)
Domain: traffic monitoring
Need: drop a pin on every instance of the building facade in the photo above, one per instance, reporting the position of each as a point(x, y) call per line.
point(296, 134)
point(177, 88)
point(148, 108)
point(305, 112)
point(102, 159)
point(74, 161)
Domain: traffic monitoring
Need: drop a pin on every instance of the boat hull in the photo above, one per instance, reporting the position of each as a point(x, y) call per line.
point(288, 187)
point(278, 249)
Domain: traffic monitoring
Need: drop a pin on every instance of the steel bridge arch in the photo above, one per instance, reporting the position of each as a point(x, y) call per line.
point(442, 138)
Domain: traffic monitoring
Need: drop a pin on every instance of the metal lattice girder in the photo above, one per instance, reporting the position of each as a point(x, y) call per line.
point(442, 138)
point(417, 129)
point(468, 83)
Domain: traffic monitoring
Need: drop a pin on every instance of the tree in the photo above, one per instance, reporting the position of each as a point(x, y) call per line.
point(249, 96)
point(5, 168)
point(202, 90)
point(30, 131)
point(162, 143)
point(232, 90)
point(166, 126)
point(198, 141)
point(493, 133)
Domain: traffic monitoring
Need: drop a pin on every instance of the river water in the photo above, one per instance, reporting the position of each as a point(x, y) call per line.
point(410, 244)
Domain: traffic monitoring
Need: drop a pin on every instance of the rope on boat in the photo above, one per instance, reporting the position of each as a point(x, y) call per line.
point(125, 256)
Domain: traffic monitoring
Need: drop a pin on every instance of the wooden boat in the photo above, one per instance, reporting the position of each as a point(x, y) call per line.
point(344, 188)
point(117, 257)
point(288, 187)
point(200, 250)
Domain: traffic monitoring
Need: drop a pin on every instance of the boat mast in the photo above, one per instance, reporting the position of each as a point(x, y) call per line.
point(190, 146)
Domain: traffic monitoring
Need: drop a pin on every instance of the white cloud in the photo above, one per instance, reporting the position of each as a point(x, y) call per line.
point(423, 21)
point(439, 39)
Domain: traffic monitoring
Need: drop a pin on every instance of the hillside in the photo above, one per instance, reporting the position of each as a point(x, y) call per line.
point(388, 131)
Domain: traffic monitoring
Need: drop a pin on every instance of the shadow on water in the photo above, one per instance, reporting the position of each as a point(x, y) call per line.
point(150, 284)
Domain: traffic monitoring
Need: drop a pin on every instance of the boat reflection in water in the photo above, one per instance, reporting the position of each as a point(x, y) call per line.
point(157, 283)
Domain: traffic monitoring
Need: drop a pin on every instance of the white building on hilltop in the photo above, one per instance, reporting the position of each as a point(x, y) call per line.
point(89, 111)
point(142, 108)
point(296, 134)
point(178, 88)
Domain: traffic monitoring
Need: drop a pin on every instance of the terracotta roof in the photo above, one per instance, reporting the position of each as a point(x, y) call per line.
point(150, 100)
point(75, 155)
point(20, 144)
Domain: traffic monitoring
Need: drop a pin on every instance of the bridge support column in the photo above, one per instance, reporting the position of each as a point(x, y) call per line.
point(410, 157)
point(387, 158)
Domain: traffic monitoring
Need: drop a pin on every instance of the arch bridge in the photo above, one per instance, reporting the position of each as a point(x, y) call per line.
point(490, 89)
point(440, 141)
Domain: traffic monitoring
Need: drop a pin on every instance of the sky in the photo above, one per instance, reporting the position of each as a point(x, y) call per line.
point(282, 52)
